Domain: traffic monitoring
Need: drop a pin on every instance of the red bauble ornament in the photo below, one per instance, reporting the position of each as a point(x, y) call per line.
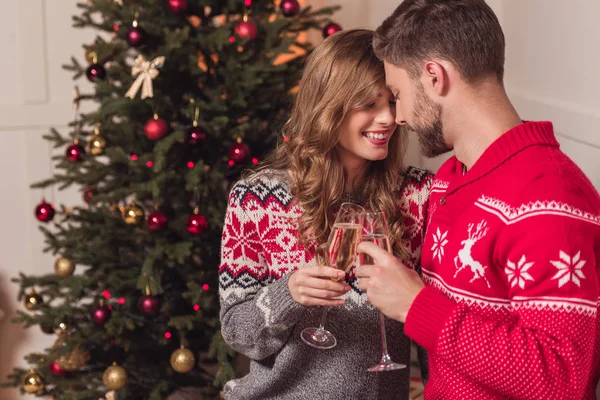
point(100, 314)
point(88, 194)
point(178, 6)
point(289, 8)
point(239, 152)
point(196, 223)
point(246, 29)
point(44, 211)
point(94, 72)
point(196, 136)
point(75, 152)
point(156, 221)
point(156, 128)
point(149, 305)
point(136, 36)
point(55, 369)
point(330, 29)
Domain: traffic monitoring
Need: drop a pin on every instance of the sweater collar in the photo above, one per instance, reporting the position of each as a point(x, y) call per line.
point(510, 143)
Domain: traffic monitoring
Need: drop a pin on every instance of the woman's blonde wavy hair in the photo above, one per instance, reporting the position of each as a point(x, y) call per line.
point(341, 75)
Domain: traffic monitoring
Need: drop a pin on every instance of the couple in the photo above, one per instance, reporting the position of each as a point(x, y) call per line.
point(507, 304)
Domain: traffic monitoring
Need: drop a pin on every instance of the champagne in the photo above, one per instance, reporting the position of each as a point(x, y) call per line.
point(380, 240)
point(343, 240)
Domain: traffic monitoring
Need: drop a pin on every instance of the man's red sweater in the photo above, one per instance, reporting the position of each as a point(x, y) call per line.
point(511, 264)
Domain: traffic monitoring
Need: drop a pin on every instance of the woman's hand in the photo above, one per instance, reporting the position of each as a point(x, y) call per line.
point(315, 286)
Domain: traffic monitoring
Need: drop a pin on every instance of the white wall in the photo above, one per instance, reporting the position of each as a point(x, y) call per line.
point(551, 57)
point(552, 61)
point(36, 38)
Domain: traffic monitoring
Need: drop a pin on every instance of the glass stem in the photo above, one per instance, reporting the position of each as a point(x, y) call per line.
point(319, 335)
point(323, 318)
point(384, 349)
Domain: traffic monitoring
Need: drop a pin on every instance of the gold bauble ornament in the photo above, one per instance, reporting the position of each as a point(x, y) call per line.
point(33, 382)
point(114, 377)
point(183, 360)
point(74, 360)
point(133, 214)
point(33, 301)
point(64, 267)
point(96, 143)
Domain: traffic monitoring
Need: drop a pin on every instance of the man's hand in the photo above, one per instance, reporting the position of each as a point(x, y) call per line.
point(389, 284)
point(314, 286)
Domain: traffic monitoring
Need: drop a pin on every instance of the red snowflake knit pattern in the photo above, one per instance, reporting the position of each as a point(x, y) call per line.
point(259, 242)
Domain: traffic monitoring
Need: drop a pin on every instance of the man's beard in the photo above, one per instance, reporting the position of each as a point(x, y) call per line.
point(427, 117)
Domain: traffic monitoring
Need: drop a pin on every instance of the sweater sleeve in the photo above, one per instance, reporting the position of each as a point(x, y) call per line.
point(257, 316)
point(415, 213)
point(542, 346)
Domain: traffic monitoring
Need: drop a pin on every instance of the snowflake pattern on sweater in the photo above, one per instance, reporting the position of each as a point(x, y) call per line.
point(261, 320)
point(511, 266)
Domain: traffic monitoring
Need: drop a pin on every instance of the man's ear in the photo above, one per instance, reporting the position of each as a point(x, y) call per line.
point(435, 78)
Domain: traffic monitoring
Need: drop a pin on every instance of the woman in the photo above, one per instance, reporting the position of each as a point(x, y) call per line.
point(341, 144)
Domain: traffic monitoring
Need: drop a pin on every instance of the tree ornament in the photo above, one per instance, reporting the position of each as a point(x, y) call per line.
point(33, 301)
point(149, 305)
point(246, 29)
point(75, 152)
point(196, 223)
point(47, 328)
point(63, 328)
point(196, 135)
point(289, 8)
point(96, 143)
point(136, 36)
point(156, 128)
point(72, 361)
point(44, 211)
point(114, 377)
point(100, 314)
point(178, 6)
point(183, 360)
point(133, 213)
point(88, 194)
point(145, 71)
point(330, 29)
point(64, 267)
point(156, 221)
point(239, 152)
point(55, 369)
point(33, 382)
point(95, 72)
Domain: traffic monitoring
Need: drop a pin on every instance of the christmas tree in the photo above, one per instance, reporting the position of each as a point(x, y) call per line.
point(190, 93)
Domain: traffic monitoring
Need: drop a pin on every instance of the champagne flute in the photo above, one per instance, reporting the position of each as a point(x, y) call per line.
point(339, 252)
point(375, 230)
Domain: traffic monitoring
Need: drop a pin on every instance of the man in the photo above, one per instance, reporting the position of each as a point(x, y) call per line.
point(508, 303)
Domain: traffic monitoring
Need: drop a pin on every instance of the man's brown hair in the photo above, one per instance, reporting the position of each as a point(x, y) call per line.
point(464, 32)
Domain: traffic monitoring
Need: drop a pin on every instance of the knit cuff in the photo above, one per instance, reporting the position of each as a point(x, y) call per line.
point(427, 316)
point(285, 309)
